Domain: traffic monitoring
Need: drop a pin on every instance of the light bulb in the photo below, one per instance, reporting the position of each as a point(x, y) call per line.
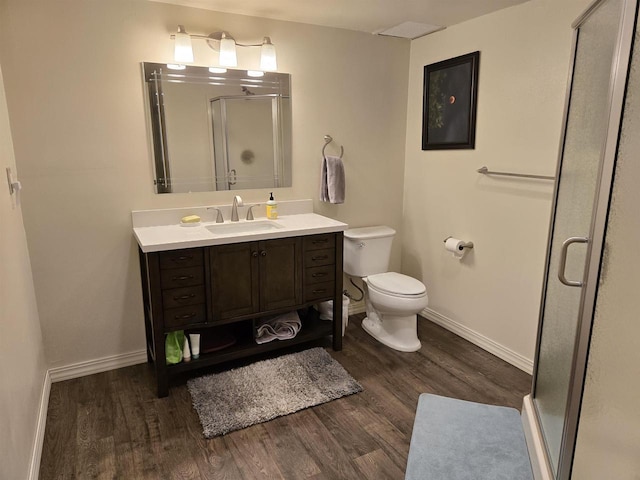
point(217, 70)
point(255, 73)
point(228, 56)
point(183, 52)
point(268, 55)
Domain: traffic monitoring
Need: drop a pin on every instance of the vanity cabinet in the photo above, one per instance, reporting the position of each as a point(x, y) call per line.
point(253, 277)
point(232, 286)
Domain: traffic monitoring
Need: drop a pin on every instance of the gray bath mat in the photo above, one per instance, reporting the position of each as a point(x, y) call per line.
point(459, 440)
point(268, 389)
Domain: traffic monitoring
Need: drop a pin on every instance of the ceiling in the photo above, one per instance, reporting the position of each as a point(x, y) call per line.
point(362, 15)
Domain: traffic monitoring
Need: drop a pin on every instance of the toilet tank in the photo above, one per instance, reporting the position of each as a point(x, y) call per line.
point(367, 250)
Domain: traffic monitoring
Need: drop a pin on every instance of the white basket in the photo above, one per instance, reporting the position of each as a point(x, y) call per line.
point(326, 311)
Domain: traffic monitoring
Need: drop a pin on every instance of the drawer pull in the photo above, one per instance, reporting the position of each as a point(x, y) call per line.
point(263, 253)
point(182, 259)
point(319, 257)
point(321, 290)
point(185, 317)
point(182, 278)
point(254, 254)
point(184, 297)
point(319, 274)
point(324, 240)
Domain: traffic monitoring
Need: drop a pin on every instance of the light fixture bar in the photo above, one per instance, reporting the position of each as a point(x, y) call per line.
point(225, 44)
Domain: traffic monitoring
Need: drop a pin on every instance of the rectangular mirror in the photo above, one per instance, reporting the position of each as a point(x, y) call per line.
point(218, 131)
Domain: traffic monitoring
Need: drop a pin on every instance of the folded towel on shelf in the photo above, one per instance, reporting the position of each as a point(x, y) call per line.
point(282, 327)
point(332, 181)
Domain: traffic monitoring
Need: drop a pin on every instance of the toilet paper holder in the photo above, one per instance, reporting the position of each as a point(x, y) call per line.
point(464, 245)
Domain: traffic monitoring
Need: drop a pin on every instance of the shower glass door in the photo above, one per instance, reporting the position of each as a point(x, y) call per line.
point(575, 243)
point(247, 141)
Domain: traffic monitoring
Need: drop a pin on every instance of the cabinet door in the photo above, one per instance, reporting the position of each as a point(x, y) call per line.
point(280, 273)
point(234, 280)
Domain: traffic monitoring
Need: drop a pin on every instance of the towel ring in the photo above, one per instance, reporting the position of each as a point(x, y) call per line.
point(327, 140)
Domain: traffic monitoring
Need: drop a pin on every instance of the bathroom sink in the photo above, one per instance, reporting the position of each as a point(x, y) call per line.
point(243, 227)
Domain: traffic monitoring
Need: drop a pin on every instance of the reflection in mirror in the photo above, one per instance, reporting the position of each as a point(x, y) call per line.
point(218, 131)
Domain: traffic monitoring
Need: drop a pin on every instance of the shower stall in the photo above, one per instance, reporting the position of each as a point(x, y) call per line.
point(594, 111)
point(248, 144)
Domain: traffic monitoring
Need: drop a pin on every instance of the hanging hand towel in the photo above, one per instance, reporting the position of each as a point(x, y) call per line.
point(332, 182)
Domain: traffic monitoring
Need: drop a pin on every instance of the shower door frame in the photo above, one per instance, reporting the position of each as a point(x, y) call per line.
point(600, 209)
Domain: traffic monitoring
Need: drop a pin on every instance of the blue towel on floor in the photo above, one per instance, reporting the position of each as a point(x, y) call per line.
point(457, 440)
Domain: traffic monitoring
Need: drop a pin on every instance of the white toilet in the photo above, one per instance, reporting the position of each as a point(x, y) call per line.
point(392, 299)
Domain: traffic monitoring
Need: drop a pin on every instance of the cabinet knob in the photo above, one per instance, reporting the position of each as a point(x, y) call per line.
point(254, 254)
point(263, 253)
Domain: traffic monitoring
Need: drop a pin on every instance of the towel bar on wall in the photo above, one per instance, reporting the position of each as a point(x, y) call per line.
point(327, 140)
point(486, 171)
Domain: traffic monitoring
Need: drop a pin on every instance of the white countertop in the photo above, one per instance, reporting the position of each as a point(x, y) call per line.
point(157, 238)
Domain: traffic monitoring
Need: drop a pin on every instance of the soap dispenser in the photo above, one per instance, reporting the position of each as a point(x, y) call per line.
point(272, 208)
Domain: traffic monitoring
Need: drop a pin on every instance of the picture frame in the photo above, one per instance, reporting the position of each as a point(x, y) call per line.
point(450, 98)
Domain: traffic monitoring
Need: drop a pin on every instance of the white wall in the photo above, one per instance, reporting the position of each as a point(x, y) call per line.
point(75, 96)
point(608, 444)
point(22, 363)
point(493, 294)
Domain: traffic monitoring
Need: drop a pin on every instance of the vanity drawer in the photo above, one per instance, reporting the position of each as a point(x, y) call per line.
point(319, 291)
point(318, 242)
point(181, 258)
point(181, 277)
point(184, 316)
point(317, 258)
point(178, 297)
point(319, 274)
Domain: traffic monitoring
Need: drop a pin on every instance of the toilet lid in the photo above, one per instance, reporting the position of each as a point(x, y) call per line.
point(396, 283)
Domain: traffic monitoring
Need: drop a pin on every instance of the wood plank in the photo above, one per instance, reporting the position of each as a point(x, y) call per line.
point(377, 465)
point(251, 456)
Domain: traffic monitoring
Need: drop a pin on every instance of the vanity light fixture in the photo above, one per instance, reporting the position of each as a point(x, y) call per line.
point(183, 51)
point(225, 44)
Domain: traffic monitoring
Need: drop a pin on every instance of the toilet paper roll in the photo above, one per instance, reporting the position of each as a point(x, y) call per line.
point(455, 246)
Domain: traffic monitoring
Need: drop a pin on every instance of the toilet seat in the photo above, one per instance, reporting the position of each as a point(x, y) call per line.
point(396, 284)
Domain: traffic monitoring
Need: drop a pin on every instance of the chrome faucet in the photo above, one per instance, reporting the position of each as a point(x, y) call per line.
point(219, 218)
point(249, 212)
point(237, 202)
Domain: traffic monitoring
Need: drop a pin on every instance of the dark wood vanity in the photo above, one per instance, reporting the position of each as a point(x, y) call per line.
point(230, 287)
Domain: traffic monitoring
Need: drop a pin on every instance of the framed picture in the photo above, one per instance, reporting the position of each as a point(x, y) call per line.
point(449, 103)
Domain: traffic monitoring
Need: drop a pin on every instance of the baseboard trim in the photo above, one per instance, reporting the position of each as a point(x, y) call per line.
point(81, 369)
point(535, 445)
point(36, 453)
point(483, 342)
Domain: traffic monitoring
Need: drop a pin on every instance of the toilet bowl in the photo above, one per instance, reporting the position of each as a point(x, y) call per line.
point(392, 300)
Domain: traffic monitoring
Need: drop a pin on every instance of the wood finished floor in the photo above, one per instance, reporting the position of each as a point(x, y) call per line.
point(111, 425)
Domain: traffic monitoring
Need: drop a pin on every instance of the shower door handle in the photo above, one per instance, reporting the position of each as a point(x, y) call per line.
point(563, 260)
point(232, 176)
